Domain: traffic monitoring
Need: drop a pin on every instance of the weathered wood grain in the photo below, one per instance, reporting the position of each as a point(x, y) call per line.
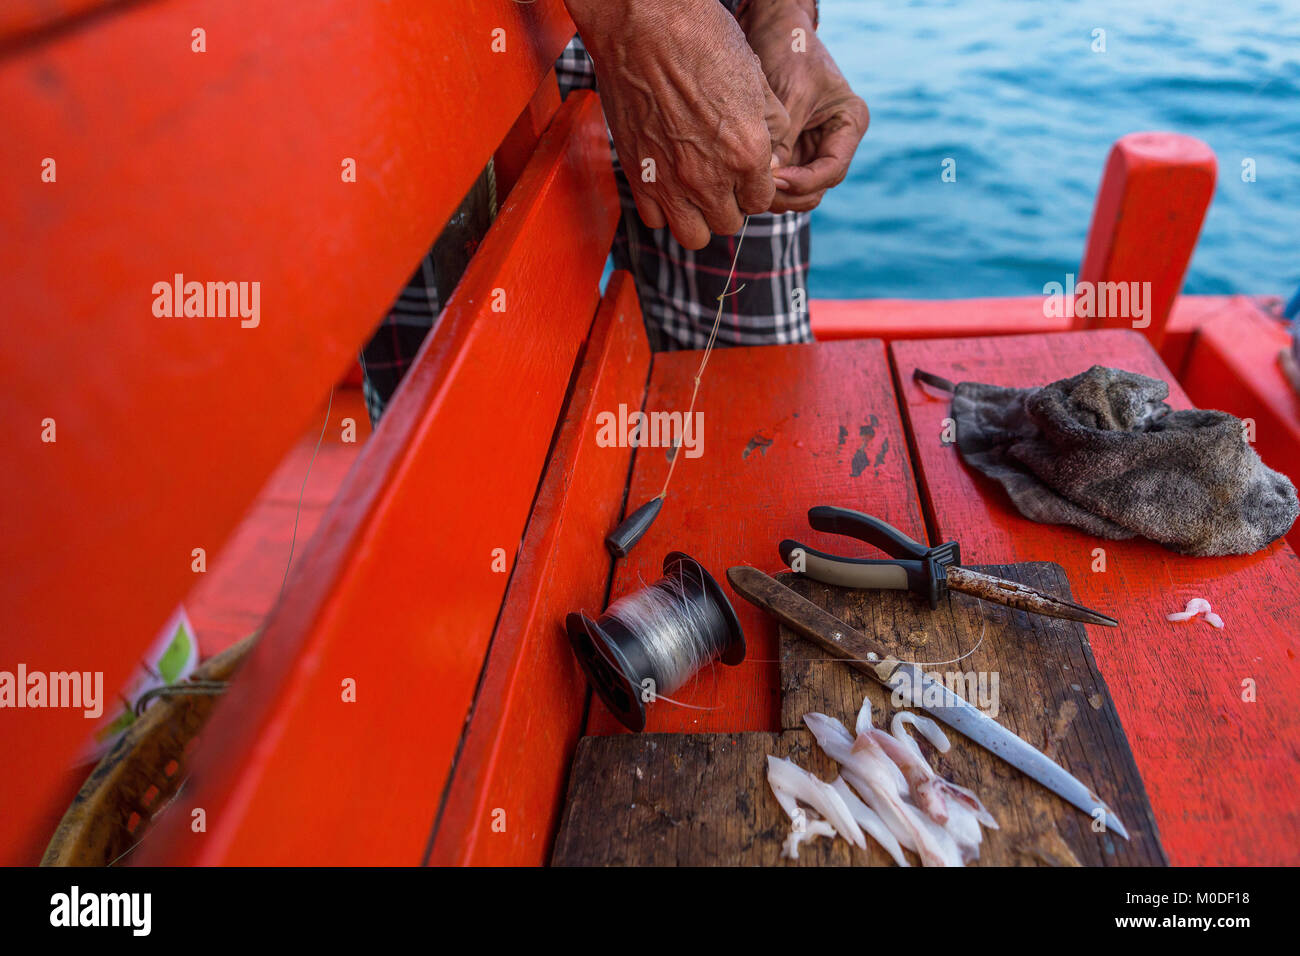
point(683, 799)
point(703, 799)
point(1048, 691)
point(784, 429)
point(1213, 716)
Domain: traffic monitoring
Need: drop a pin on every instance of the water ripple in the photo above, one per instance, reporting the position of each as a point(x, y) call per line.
point(1028, 110)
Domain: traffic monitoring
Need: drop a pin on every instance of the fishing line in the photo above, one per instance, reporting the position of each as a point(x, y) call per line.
point(621, 539)
point(293, 540)
point(651, 642)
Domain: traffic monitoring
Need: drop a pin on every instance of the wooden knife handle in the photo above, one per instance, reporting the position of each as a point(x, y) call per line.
point(808, 620)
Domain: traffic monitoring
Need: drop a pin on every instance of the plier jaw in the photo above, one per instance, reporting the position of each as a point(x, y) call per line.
point(920, 569)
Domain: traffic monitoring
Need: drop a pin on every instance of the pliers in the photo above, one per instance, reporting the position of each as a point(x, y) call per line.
point(928, 572)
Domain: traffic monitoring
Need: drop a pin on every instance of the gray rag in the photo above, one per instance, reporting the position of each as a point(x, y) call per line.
point(1103, 452)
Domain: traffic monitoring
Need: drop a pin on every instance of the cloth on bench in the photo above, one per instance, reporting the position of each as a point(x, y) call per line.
point(1102, 451)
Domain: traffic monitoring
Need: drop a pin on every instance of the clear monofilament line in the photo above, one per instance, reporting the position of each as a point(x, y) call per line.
point(708, 349)
point(676, 635)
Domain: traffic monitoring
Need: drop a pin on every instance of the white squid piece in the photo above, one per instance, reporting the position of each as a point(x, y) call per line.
point(870, 821)
point(928, 728)
point(791, 783)
point(882, 787)
point(947, 788)
point(935, 818)
point(797, 835)
point(1194, 607)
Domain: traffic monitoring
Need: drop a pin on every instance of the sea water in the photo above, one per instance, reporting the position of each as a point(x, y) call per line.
point(1026, 102)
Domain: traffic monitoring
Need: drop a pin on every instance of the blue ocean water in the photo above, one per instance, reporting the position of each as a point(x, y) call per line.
point(1014, 92)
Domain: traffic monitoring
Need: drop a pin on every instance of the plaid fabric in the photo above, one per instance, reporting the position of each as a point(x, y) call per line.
point(678, 287)
point(389, 353)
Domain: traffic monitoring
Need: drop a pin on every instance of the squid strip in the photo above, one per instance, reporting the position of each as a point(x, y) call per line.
point(930, 730)
point(870, 821)
point(1194, 607)
point(785, 775)
point(935, 818)
point(882, 787)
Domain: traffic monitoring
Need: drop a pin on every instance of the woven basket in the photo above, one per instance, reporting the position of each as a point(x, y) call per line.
point(143, 771)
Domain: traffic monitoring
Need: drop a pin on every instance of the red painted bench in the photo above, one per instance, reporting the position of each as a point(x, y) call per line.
point(167, 428)
point(474, 517)
point(1220, 771)
point(1232, 364)
point(786, 429)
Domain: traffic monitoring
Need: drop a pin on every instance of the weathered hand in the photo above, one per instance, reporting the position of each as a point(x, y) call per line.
point(826, 119)
point(689, 110)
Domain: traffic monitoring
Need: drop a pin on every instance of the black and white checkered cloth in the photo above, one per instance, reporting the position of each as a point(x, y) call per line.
point(678, 288)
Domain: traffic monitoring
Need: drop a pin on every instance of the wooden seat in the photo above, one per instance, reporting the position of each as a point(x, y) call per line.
point(413, 698)
point(785, 429)
point(237, 169)
point(1219, 769)
point(1232, 364)
point(404, 583)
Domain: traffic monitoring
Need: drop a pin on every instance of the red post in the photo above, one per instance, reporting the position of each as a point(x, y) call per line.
point(1150, 206)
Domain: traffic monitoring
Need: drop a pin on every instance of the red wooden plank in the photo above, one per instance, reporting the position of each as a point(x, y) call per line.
point(1220, 771)
point(228, 169)
point(517, 148)
point(1233, 366)
point(1152, 200)
point(892, 319)
point(1189, 313)
point(508, 788)
point(784, 429)
point(399, 592)
point(230, 600)
point(27, 20)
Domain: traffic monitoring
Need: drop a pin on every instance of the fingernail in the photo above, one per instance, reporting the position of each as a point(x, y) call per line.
point(781, 183)
point(775, 162)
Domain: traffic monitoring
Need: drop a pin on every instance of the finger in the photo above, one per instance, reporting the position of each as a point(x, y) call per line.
point(820, 174)
point(787, 202)
point(725, 218)
point(754, 191)
point(651, 212)
point(780, 128)
point(829, 167)
point(687, 224)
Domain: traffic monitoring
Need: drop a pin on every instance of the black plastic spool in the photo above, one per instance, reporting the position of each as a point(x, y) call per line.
point(615, 661)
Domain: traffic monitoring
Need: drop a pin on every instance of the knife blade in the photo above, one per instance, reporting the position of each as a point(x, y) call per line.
point(851, 646)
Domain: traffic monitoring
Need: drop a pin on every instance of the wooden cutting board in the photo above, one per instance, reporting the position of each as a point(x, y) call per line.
point(701, 799)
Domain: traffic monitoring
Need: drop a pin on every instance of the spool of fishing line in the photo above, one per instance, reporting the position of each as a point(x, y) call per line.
point(665, 634)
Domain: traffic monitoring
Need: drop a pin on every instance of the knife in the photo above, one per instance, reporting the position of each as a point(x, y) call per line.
point(852, 647)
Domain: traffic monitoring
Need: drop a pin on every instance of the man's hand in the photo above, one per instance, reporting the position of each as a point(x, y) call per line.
point(689, 109)
point(826, 119)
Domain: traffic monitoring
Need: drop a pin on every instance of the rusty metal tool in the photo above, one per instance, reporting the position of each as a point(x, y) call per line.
point(929, 572)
